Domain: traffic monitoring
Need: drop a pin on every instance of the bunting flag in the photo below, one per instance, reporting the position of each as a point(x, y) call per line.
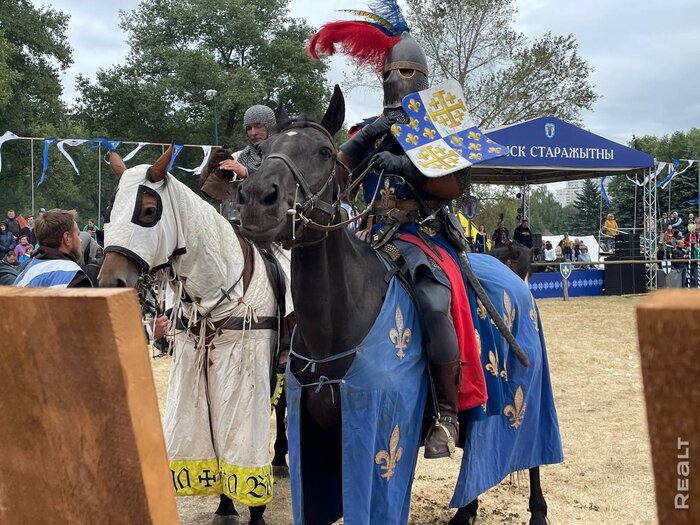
point(134, 151)
point(604, 193)
point(70, 142)
point(47, 145)
point(634, 181)
point(176, 150)
point(8, 135)
point(673, 172)
point(695, 201)
point(207, 151)
point(109, 145)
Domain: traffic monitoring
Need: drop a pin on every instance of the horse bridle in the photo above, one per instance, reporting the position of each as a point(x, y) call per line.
point(312, 200)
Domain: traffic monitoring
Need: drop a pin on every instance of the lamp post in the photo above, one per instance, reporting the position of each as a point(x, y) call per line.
point(210, 94)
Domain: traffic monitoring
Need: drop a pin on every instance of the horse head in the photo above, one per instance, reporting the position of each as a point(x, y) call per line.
point(296, 178)
point(142, 230)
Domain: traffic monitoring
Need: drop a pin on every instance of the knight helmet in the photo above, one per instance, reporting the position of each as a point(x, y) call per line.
point(383, 43)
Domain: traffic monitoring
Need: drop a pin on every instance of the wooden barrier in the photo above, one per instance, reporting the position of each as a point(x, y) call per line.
point(669, 343)
point(81, 440)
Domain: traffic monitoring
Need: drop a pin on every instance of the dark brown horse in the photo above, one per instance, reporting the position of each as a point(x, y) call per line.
point(338, 285)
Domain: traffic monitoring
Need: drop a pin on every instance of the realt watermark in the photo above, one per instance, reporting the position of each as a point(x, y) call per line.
point(680, 500)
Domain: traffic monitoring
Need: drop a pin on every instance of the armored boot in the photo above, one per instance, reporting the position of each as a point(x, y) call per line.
point(442, 435)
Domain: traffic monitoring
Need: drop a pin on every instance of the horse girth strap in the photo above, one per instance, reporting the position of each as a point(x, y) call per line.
point(311, 199)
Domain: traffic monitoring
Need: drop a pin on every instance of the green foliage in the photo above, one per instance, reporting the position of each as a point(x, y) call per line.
point(506, 78)
point(250, 52)
point(33, 52)
point(587, 213)
point(546, 213)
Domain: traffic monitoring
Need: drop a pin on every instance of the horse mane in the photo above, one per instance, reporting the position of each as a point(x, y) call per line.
point(515, 256)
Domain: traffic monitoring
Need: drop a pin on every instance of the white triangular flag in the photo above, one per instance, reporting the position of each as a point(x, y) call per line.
point(8, 135)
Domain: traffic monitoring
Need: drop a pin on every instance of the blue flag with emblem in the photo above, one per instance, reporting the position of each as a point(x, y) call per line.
point(440, 136)
point(565, 270)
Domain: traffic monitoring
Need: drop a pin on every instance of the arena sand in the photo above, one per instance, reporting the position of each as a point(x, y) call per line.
point(606, 476)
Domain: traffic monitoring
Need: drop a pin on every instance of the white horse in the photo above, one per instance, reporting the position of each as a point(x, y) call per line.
point(224, 326)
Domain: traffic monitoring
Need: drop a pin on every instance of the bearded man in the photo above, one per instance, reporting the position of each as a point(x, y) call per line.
point(55, 265)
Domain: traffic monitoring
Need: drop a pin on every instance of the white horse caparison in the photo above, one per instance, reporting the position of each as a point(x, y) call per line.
point(217, 421)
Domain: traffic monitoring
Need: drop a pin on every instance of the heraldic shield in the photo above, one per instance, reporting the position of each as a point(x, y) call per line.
point(440, 136)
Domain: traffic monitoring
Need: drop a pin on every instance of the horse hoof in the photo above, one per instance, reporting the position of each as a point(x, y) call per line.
point(280, 471)
point(462, 517)
point(225, 520)
point(538, 519)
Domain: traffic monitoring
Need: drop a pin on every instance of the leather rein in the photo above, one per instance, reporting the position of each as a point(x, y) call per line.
point(312, 200)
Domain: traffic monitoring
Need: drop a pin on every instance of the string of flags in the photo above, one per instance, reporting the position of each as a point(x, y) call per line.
point(108, 145)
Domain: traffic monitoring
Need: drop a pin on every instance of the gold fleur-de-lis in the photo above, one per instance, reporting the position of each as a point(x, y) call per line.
point(480, 309)
point(504, 372)
point(493, 363)
point(475, 156)
point(396, 130)
point(478, 340)
point(413, 123)
point(475, 146)
point(456, 140)
point(387, 190)
point(494, 150)
point(429, 133)
point(391, 457)
point(411, 139)
point(400, 336)
point(473, 135)
point(516, 411)
point(533, 317)
point(414, 105)
point(509, 316)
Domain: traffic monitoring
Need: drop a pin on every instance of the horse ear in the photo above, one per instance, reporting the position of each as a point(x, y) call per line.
point(159, 169)
point(335, 114)
point(281, 114)
point(116, 164)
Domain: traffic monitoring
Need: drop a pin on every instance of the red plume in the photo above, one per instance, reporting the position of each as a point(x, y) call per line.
point(365, 43)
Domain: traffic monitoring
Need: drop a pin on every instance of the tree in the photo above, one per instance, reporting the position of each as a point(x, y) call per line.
point(683, 188)
point(250, 52)
point(33, 53)
point(506, 78)
point(546, 213)
point(586, 218)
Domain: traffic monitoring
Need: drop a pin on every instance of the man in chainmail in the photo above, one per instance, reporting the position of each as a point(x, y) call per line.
point(225, 168)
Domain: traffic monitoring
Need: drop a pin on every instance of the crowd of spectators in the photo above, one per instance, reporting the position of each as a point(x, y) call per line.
point(678, 237)
point(19, 244)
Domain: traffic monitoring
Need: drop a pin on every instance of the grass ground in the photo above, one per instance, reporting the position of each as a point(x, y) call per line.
point(606, 477)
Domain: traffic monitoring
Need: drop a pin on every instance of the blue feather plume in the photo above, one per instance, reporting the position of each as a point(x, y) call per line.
point(391, 12)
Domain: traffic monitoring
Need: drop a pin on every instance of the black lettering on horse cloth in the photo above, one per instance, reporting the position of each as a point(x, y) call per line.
point(207, 479)
point(261, 484)
point(182, 479)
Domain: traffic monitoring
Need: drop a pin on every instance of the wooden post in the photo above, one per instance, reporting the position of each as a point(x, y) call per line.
point(80, 432)
point(565, 287)
point(669, 339)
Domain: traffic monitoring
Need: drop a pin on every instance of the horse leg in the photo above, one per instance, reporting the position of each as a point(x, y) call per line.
point(226, 514)
point(256, 515)
point(537, 504)
point(279, 461)
point(466, 515)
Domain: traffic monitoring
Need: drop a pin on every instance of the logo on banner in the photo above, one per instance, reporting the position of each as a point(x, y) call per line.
point(549, 130)
point(666, 267)
point(440, 136)
point(471, 207)
point(565, 270)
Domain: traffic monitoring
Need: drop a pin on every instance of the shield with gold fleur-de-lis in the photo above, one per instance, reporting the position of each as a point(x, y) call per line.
point(440, 136)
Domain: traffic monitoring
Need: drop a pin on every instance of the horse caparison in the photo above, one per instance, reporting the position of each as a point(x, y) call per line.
point(338, 285)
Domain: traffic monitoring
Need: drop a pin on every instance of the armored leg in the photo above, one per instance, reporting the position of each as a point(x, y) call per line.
point(440, 342)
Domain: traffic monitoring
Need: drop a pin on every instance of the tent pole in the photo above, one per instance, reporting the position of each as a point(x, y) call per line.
point(634, 222)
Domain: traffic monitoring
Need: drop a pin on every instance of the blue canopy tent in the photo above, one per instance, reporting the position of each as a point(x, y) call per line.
point(548, 149)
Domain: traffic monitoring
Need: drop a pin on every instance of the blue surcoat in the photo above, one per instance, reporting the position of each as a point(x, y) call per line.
point(383, 398)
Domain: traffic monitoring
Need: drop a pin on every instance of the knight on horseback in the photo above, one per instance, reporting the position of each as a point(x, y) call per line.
point(409, 214)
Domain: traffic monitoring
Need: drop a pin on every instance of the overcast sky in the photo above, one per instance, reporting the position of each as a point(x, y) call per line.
point(646, 54)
